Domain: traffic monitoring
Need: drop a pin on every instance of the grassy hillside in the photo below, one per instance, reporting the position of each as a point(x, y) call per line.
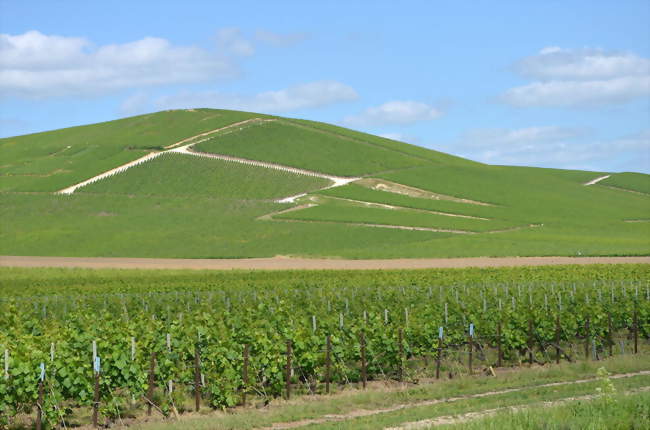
point(174, 174)
point(56, 159)
point(629, 181)
point(297, 146)
point(181, 205)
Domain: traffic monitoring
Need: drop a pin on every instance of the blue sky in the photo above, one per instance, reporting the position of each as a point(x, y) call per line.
point(561, 84)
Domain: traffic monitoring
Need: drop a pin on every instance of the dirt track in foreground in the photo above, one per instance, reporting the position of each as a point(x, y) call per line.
point(286, 263)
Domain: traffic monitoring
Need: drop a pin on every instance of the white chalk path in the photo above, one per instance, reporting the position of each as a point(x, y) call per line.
point(597, 180)
point(336, 181)
point(111, 172)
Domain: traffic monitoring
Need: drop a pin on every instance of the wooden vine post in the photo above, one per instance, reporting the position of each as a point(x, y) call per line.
point(41, 395)
point(364, 375)
point(587, 338)
point(610, 334)
point(400, 340)
point(151, 382)
point(245, 375)
point(439, 356)
point(636, 330)
point(530, 342)
point(288, 370)
point(96, 370)
point(558, 337)
point(470, 341)
point(499, 353)
point(328, 363)
point(197, 378)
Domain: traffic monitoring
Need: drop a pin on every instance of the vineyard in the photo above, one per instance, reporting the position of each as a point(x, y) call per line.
point(236, 338)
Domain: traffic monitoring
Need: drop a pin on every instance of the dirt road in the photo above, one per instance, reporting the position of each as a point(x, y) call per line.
point(286, 263)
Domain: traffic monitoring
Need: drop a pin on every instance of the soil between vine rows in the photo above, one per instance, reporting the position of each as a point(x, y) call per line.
point(290, 263)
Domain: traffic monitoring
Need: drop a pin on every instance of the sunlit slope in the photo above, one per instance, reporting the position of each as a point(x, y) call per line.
point(549, 201)
point(174, 174)
point(208, 201)
point(330, 151)
point(53, 160)
point(629, 181)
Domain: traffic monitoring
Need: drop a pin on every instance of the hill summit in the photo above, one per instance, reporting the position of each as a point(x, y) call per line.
point(204, 183)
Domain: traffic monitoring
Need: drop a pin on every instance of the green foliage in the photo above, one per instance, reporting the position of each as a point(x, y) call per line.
point(218, 313)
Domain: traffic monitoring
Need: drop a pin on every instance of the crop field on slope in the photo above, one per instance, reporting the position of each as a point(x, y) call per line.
point(393, 317)
point(56, 159)
point(285, 143)
point(393, 145)
point(629, 181)
point(360, 193)
point(341, 211)
point(176, 174)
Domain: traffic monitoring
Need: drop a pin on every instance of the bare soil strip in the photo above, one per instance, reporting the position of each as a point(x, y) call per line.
point(288, 263)
point(470, 416)
point(368, 412)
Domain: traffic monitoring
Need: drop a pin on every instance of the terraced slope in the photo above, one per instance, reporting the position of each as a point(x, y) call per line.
point(403, 200)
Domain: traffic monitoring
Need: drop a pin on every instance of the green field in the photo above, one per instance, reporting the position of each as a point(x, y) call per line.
point(183, 206)
point(345, 212)
point(285, 143)
point(53, 160)
point(184, 175)
point(629, 181)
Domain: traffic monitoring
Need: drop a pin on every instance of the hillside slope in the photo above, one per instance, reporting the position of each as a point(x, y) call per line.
point(266, 186)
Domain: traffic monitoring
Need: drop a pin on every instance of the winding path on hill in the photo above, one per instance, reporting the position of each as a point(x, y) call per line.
point(288, 263)
point(182, 147)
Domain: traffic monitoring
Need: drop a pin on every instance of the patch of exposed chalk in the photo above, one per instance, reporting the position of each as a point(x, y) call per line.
point(597, 180)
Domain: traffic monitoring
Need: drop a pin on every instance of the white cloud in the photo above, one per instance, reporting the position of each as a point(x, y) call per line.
point(232, 41)
point(551, 146)
point(582, 64)
point(522, 137)
point(278, 39)
point(395, 112)
point(579, 93)
point(582, 77)
point(37, 65)
point(297, 97)
point(135, 104)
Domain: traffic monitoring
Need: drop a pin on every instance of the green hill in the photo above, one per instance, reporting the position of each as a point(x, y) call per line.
point(251, 185)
